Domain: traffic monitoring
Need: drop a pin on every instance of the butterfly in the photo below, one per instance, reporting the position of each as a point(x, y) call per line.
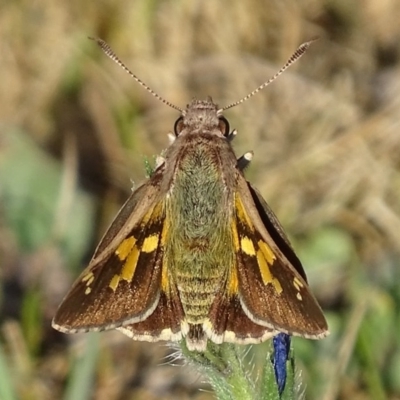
point(195, 253)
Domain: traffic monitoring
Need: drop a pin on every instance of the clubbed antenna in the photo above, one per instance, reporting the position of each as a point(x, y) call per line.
point(294, 57)
point(109, 52)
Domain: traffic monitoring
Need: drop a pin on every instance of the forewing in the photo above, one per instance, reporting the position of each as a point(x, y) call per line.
point(121, 285)
point(273, 291)
point(275, 230)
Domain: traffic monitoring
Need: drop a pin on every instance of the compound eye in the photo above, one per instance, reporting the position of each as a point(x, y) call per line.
point(223, 126)
point(178, 127)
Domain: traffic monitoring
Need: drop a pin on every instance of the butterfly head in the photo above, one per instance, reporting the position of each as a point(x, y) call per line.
point(201, 115)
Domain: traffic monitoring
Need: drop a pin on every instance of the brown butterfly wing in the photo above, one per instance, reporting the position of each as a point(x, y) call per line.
point(271, 281)
point(163, 324)
point(122, 282)
point(230, 323)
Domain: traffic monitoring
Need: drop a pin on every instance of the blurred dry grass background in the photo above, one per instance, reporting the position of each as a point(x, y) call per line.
point(75, 130)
